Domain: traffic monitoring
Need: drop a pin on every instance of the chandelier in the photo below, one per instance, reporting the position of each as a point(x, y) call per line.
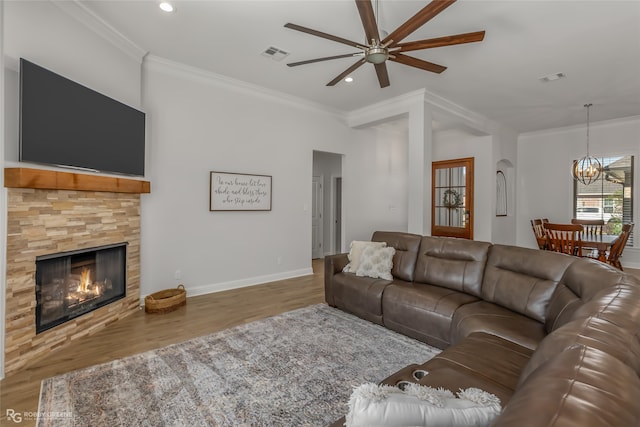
point(587, 169)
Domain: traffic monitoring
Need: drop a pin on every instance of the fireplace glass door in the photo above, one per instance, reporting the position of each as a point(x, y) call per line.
point(70, 284)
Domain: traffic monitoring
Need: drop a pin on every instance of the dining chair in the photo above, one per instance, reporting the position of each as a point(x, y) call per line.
point(590, 226)
point(564, 238)
point(539, 233)
point(618, 246)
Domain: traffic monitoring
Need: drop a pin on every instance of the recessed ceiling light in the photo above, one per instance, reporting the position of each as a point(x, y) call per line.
point(348, 79)
point(166, 6)
point(552, 77)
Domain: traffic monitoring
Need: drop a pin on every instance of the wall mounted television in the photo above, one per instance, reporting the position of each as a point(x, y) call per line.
point(64, 123)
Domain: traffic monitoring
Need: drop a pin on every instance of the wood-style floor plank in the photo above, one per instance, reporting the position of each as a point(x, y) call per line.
point(142, 332)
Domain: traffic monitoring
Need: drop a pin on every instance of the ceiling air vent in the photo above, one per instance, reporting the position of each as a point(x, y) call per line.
point(275, 53)
point(552, 77)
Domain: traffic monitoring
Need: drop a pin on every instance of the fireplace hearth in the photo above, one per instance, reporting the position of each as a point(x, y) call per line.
point(70, 284)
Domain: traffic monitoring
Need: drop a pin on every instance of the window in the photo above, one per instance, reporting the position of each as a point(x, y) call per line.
point(609, 198)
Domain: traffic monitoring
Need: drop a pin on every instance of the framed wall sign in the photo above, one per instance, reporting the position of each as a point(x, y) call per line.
point(239, 192)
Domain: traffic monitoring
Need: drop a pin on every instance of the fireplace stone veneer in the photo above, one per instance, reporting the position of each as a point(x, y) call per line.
point(45, 221)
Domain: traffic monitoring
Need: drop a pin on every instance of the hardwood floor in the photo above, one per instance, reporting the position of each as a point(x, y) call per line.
point(141, 332)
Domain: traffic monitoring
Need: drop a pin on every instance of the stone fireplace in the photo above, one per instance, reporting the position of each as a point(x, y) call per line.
point(71, 215)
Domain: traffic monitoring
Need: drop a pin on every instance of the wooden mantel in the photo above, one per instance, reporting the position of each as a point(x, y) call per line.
point(56, 180)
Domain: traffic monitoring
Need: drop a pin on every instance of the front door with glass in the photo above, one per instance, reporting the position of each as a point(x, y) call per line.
point(452, 198)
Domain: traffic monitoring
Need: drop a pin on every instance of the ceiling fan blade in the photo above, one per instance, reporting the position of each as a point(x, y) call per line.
point(327, 58)
point(324, 35)
point(441, 41)
point(346, 72)
point(416, 21)
point(418, 63)
point(383, 76)
point(368, 20)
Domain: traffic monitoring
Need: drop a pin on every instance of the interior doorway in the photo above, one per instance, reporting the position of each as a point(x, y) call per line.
point(337, 232)
point(317, 206)
point(326, 211)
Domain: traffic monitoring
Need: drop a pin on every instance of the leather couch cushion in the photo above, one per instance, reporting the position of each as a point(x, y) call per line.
point(581, 386)
point(422, 311)
point(493, 319)
point(406, 246)
point(523, 279)
point(361, 296)
point(484, 361)
point(581, 282)
point(452, 263)
point(591, 332)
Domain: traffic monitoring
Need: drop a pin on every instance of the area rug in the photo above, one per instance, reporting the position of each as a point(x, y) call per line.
point(294, 369)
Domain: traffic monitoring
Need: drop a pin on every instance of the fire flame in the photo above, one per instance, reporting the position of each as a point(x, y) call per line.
point(85, 280)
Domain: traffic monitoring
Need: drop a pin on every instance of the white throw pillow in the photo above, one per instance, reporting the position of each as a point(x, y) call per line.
point(377, 406)
point(355, 253)
point(376, 263)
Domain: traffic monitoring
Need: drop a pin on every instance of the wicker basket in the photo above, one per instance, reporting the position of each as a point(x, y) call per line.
point(166, 300)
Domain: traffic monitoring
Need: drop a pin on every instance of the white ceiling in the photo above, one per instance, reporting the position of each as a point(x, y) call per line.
point(596, 44)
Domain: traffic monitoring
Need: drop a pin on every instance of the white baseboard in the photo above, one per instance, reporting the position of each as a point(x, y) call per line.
point(242, 283)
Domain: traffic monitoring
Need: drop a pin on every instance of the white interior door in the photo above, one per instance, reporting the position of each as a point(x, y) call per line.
point(316, 218)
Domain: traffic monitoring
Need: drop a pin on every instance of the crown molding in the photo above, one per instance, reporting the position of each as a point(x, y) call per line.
point(84, 15)
point(579, 127)
point(198, 74)
point(443, 110)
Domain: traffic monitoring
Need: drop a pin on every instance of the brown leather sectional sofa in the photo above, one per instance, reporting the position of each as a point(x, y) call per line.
point(555, 337)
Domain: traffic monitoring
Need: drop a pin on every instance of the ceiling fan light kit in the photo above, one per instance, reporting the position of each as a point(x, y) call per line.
point(376, 55)
point(378, 51)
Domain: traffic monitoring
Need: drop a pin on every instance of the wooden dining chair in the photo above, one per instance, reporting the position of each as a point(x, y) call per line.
point(564, 238)
point(590, 226)
point(618, 246)
point(539, 233)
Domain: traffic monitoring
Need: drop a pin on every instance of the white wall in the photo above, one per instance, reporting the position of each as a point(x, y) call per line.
point(201, 123)
point(454, 144)
point(543, 175)
point(43, 33)
point(375, 187)
point(505, 157)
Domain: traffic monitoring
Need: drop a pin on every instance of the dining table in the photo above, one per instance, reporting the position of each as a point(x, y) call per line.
point(600, 242)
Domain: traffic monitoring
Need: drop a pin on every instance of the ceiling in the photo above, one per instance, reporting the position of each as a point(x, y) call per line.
point(596, 44)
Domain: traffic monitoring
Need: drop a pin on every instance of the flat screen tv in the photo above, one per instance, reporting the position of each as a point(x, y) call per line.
point(63, 123)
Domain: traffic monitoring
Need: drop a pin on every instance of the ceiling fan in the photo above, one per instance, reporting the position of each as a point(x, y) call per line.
point(377, 51)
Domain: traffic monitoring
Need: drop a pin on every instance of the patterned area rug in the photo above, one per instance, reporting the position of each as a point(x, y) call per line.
point(294, 369)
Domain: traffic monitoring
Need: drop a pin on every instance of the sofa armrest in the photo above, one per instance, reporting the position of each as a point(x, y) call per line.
point(333, 264)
